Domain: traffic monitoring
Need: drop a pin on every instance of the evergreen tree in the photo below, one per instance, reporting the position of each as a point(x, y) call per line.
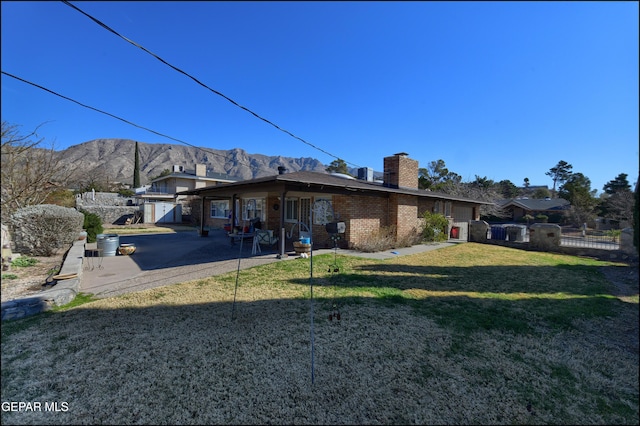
point(620, 183)
point(577, 190)
point(136, 169)
point(560, 173)
point(338, 166)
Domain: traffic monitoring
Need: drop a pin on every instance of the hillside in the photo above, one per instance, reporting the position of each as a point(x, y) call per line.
point(114, 158)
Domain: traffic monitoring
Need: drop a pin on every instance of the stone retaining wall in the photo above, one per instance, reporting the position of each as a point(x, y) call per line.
point(112, 214)
point(111, 207)
point(61, 294)
point(547, 237)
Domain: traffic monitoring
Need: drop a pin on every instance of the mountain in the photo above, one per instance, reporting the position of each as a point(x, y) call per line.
point(114, 159)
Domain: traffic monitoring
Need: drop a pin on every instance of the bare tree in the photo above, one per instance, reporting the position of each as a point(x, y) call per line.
point(30, 173)
point(482, 190)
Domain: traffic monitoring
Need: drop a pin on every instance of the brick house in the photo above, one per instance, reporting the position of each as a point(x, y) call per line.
point(283, 203)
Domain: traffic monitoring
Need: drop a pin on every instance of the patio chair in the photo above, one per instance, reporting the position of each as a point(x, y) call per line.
point(266, 238)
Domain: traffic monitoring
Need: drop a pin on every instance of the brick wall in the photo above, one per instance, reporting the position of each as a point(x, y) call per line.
point(425, 205)
point(400, 171)
point(404, 214)
point(363, 215)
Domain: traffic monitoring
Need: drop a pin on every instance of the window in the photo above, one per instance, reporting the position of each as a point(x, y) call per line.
point(253, 208)
point(444, 208)
point(291, 210)
point(220, 209)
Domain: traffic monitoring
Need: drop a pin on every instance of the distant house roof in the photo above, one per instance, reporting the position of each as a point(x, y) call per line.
point(318, 182)
point(537, 204)
point(191, 174)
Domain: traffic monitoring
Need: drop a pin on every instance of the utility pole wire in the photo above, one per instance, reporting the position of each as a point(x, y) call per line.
point(122, 119)
point(106, 27)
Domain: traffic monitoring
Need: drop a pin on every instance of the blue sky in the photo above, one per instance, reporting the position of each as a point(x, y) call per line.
point(497, 89)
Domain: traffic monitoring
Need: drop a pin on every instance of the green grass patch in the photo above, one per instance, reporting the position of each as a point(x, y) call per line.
point(461, 287)
point(9, 276)
point(80, 299)
point(23, 262)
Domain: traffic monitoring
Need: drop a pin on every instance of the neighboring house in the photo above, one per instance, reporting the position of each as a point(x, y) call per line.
point(284, 201)
point(519, 207)
point(180, 179)
point(161, 202)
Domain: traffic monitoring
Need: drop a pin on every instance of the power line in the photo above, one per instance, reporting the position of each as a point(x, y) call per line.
point(106, 27)
point(124, 120)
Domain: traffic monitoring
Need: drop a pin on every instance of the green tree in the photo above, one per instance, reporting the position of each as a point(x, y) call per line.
point(541, 193)
point(136, 169)
point(526, 182)
point(437, 177)
point(507, 189)
point(338, 166)
point(620, 183)
point(483, 182)
point(560, 173)
point(577, 190)
point(617, 201)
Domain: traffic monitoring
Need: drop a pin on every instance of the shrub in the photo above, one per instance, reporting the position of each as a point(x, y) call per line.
point(43, 229)
point(379, 240)
point(61, 197)
point(542, 218)
point(93, 226)
point(526, 218)
point(23, 262)
point(435, 227)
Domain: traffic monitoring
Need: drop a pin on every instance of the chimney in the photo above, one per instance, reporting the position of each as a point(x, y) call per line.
point(400, 171)
point(282, 170)
point(201, 170)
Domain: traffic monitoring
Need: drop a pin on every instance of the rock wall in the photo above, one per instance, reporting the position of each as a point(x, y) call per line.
point(478, 230)
point(111, 207)
point(544, 236)
point(112, 214)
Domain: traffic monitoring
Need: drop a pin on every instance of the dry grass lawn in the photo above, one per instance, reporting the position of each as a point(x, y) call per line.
point(469, 334)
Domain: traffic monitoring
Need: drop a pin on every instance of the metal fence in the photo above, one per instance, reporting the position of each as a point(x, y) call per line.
point(570, 236)
point(605, 240)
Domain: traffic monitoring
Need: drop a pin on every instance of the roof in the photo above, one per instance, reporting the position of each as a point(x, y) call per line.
point(191, 174)
point(537, 204)
point(318, 182)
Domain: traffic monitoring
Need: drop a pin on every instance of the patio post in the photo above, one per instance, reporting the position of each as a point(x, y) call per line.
point(281, 250)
